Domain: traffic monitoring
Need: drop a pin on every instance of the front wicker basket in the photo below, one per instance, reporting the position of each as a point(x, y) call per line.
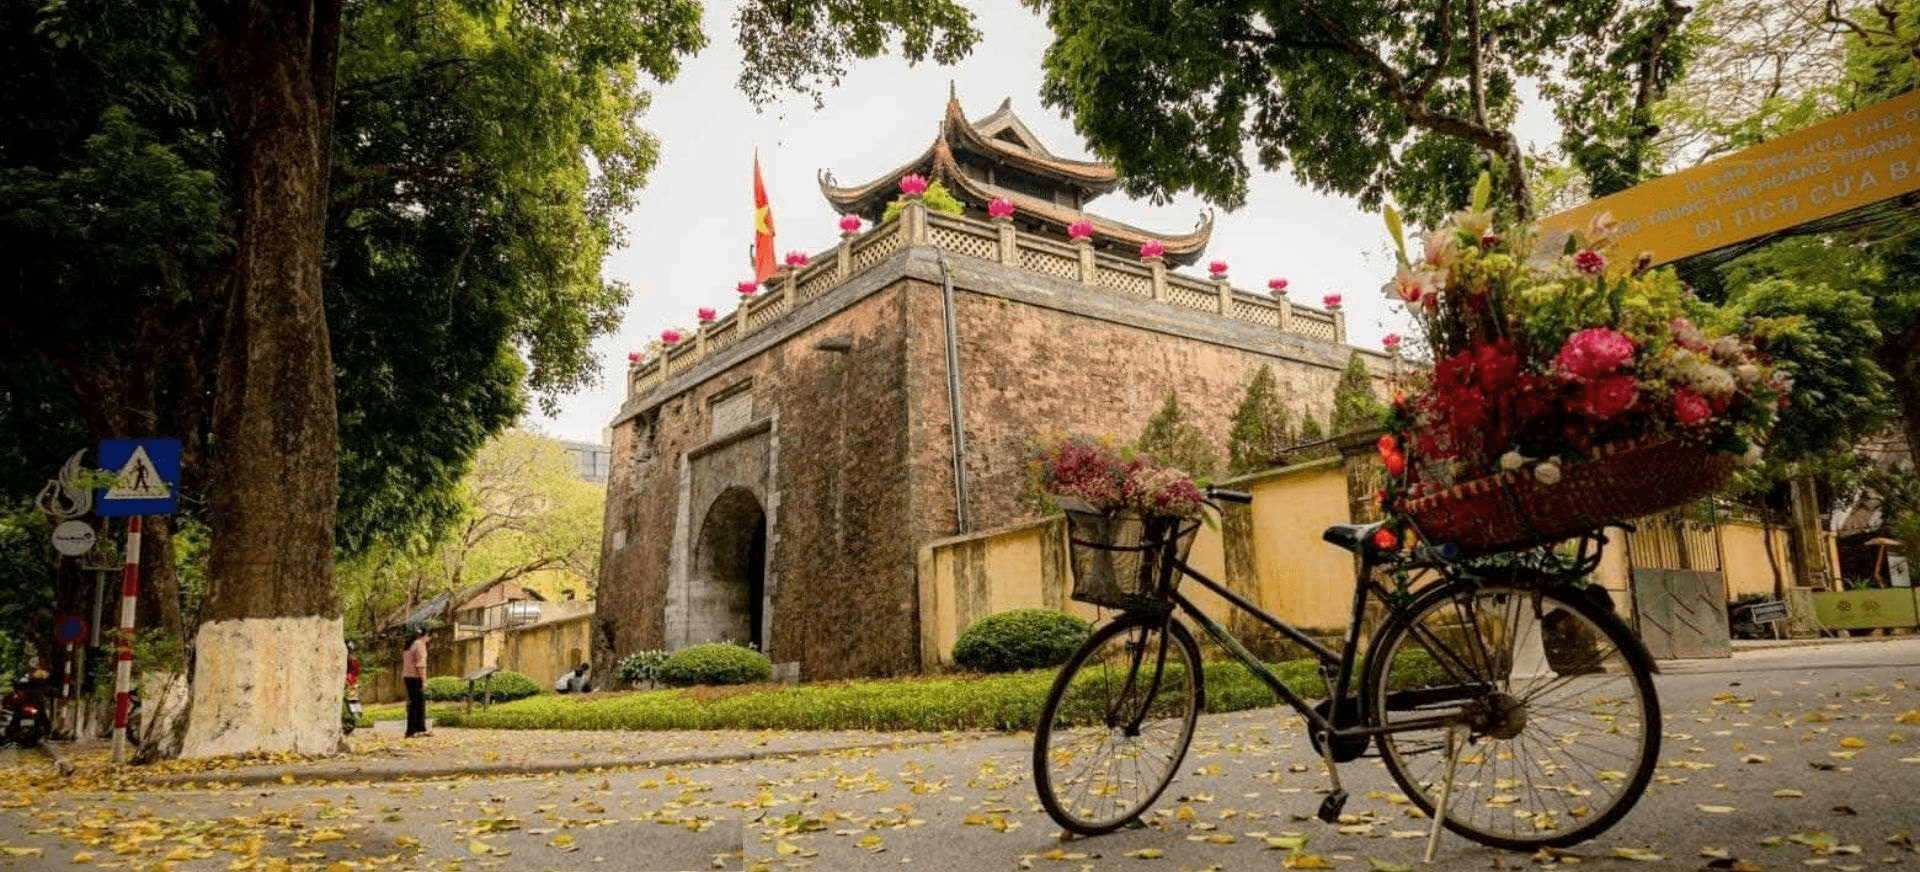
point(1622, 480)
point(1124, 560)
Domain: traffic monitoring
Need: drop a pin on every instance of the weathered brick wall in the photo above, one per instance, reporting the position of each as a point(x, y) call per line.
point(840, 545)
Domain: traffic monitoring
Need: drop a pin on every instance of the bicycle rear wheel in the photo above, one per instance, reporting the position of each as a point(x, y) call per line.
point(1117, 723)
point(1557, 698)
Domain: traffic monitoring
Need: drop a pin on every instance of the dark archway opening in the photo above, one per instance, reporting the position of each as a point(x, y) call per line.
point(729, 593)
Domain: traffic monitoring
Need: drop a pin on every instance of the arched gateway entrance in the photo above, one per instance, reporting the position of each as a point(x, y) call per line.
point(727, 587)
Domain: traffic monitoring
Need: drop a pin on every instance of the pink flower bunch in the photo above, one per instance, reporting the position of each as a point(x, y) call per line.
point(705, 314)
point(747, 289)
point(1589, 262)
point(633, 357)
point(1331, 301)
point(1690, 408)
point(1080, 229)
point(670, 336)
point(1277, 285)
point(1001, 207)
point(1390, 341)
point(1594, 353)
point(1107, 479)
point(913, 184)
point(797, 259)
point(1152, 248)
point(849, 224)
point(1217, 268)
point(1161, 490)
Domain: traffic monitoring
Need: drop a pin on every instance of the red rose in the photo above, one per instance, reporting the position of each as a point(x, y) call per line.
point(1396, 463)
point(1497, 364)
point(1607, 397)
point(1593, 353)
point(1689, 407)
point(1385, 445)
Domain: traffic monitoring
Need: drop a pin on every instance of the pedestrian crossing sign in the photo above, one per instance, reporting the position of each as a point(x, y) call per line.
point(146, 477)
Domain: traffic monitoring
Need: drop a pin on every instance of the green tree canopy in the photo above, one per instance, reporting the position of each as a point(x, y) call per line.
point(1355, 405)
point(1260, 433)
point(1169, 439)
point(1368, 99)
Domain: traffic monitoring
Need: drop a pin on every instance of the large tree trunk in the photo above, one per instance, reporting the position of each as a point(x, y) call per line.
point(1901, 359)
point(269, 666)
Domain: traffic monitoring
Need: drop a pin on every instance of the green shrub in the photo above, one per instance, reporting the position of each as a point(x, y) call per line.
point(506, 686)
point(1020, 639)
point(714, 663)
point(641, 667)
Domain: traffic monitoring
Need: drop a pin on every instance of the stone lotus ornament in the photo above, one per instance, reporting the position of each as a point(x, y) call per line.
point(913, 184)
point(1278, 286)
point(670, 336)
point(849, 224)
point(705, 314)
point(1390, 342)
point(1001, 207)
point(1331, 301)
point(747, 289)
point(1217, 269)
point(796, 259)
point(1081, 229)
point(1152, 248)
point(633, 357)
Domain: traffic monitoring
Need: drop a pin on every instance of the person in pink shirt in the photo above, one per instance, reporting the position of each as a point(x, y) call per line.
point(413, 671)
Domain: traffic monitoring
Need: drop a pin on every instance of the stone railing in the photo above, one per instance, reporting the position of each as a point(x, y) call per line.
point(996, 241)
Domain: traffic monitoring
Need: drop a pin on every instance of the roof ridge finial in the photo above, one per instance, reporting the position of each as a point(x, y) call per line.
point(953, 90)
point(1006, 104)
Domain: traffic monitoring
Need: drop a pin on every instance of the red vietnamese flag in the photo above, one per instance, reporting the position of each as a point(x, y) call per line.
point(763, 265)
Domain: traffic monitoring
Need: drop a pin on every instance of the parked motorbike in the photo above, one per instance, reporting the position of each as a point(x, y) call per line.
point(350, 717)
point(26, 712)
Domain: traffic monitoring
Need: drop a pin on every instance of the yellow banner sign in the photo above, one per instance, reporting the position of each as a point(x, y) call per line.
point(1840, 164)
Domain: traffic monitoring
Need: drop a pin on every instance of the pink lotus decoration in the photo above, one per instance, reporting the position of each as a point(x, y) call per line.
point(705, 314)
point(1080, 229)
point(1217, 268)
point(670, 336)
point(633, 357)
point(1276, 285)
point(1152, 248)
point(796, 259)
point(913, 185)
point(849, 224)
point(1390, 341)
point(1001, 207)
point(747, 289)
point(1331, 301)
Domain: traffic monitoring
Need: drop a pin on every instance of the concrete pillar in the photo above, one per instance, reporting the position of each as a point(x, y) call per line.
point(843, 255)
point(1159, 267)
point(1339, 325)
point(1286, 308)
point(913, 219)
point(1009, 240)
point(1089, 271)
point(1225, 291)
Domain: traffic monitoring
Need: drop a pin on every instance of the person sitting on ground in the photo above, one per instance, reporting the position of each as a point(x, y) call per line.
point(573, 682)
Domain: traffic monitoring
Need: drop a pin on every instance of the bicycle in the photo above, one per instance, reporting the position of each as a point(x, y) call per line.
point(1503, 692)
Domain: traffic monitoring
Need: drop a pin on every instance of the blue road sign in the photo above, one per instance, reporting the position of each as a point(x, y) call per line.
point(149, 477)
point(69, 629)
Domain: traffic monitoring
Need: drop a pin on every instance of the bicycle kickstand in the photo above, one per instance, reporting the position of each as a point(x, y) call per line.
point(1454, 746)
point(1337, 800)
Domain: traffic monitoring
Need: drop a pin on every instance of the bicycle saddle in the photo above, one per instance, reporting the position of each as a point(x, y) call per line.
point(1350, 536)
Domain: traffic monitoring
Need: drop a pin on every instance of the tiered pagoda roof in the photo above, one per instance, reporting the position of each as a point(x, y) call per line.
point(997, 156)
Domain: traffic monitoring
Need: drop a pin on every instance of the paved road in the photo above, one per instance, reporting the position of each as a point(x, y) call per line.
point(1817, 723)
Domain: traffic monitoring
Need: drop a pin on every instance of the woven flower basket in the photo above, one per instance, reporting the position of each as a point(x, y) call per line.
point(1622, 480)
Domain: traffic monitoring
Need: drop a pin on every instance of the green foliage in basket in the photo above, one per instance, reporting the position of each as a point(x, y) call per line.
point(1020, 639)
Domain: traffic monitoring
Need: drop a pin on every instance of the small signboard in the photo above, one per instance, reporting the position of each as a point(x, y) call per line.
point(73, 538)
point(147, 478)
point(1767, 612)
point(70, 629)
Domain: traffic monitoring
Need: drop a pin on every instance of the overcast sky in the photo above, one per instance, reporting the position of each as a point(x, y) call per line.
point(691, 236)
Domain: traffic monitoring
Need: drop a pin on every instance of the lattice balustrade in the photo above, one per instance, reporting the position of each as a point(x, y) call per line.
point(766, 312)
point(824, 276)
point(876, 250)
point(1206, 301)
point(1256, 313)
point(1312, 324)
point(681, 362)
point(960, 241)
point(1127, 282)
point(723, 336)
point(1050, 264)
point(646, 381)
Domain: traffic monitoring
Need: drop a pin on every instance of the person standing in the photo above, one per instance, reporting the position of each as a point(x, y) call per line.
point(413, 671)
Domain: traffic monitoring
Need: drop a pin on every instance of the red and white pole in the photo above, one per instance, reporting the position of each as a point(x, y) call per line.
point(123, 671)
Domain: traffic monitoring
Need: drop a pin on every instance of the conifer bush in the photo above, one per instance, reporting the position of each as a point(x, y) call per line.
point(714, 663)
point(1020, 639)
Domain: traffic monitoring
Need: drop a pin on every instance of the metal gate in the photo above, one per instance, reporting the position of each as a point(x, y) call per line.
point(1679, 593)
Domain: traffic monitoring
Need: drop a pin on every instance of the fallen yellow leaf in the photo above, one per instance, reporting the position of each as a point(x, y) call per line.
point(1853, 742)
point(479, 848)
point(1304, 860)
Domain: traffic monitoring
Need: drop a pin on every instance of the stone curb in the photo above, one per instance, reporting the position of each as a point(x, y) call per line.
point(378, 773)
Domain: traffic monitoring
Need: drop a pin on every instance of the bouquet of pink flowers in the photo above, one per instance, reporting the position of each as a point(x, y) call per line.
point(1549, 350)
point(1108, 479)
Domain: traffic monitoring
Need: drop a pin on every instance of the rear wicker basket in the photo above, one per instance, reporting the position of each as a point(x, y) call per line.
point(1622, 480)
point(1124, 560)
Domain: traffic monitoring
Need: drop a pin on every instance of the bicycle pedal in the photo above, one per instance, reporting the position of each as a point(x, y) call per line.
point(1331, 806)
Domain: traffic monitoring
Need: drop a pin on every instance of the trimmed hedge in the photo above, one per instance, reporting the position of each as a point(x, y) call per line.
point(641, 667)
point(1020, 639)
point(714, 663)
point(506, 686)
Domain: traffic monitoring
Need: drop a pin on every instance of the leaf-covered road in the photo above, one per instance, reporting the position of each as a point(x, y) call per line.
point(1781, 759)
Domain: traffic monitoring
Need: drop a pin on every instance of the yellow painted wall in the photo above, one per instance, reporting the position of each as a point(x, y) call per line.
point(1304, 580)
point(543, 651)
point(1744, 558)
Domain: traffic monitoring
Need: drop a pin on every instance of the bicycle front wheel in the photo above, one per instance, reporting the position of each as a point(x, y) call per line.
point(1117, 723)
point(1552, 700)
